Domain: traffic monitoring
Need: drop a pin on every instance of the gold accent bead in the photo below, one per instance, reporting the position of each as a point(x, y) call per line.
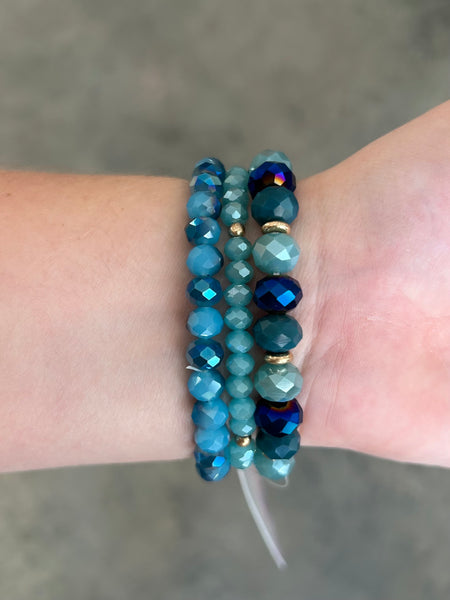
point(236, 230)
point(278, 359)
point(243, 440)
point(275, 227)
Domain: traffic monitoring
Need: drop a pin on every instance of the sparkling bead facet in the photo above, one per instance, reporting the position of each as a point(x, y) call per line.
point(270, 174)
point(277, 333)
point(278, 383)
point(211, 467)
point(210, 165)
point(204, 291)
point(234, 212)
point(206, 385)
point(205, 322)
point(280, 418)
point(205, 182)
point(277, 293)
point(236, 194)
point(238, 248)
point(202, 230)
point(204, 260)
point(273, 469)
point(241, 457)
point(237, 294)
point(275, 253)
point(239, 271)
point(235, 177)
point(244, 427)
point(204, 354)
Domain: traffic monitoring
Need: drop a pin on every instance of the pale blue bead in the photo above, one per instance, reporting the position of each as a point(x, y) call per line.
point(242, 408)
point(238, 248)
point(234, 212)
point(239, 341)
point(205, 322)
point(212, 440)
point(275, 253)
point(270, 156)
point(204, 260)
point(206, 385)
point(235, 177)
point(239, 271)
point(202, 230)
point(204, 204)
point(210, 415)
point(278, 383)
point(244, 427)
point(238, 294)
point(273, 468)
point(238, 317)
point(241, 457)
point(240, 363)
point(239, 387)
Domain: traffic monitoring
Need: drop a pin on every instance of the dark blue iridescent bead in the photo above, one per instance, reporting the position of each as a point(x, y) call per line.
point(278, 419)
point(210, 165)
point(202, 230)
point(278, 447)
point(277, 293)
point(268, 174)
point(204, 291)
point(274, 204)
point(205, 182)
point(204, 354)
point(211, 467)
point(276, 333)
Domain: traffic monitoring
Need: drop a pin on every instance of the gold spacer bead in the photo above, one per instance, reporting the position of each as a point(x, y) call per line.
point(278, 359)
point(275, 227)
point(236, 230)
point(243, 441)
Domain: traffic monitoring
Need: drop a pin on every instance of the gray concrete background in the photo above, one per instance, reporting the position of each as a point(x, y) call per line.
point(148, 87)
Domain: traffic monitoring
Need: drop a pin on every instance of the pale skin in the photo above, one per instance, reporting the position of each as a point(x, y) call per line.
point(92, 309)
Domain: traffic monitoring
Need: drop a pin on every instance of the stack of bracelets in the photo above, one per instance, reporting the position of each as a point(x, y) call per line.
point(218, 194)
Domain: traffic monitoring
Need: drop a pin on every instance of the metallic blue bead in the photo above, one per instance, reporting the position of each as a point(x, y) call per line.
point(277, 293)
point(239, 341)
point(210, 415)
point(211, 467)
point(202, 230)
point(204, 354)
point(272, 469)
point(268, 174)
point(210, 165)
point(277, 333)
point(281, 418)
point(204, 204)
point(212, 440)
point(205, 182)
point(206, 385)
point(274, 204)
point(278, 447)
point(204, 291)
point(204, 260)
point(205, 322)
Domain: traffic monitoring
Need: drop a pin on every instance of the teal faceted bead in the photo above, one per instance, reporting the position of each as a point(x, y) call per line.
point(274, 204)
point(206, 385)
point(277, 333)
point(242, 408)
point(239, 341)
point(239, 271)
point(205, 322)
point(270, 156)
point(273, 469)
point(237, 294)
point(212, 440)
point(238, 317)
point(278, 447)
point(210, 415)
point(204, 291)
point(278, 383)
point(239, 387)
point(275, 253)
point(235, 177)
point(202, 230)
point(204, 204)
point(204, 260)
point(211, 165)
point(243, 428)
point(211, 467)
point(241, 457)
point(240, 363)
point(238, 248)
point(206, 182)
point(236, 194)
point(234, 212)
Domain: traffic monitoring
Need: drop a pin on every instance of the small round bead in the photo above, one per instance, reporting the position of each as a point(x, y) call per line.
point(241, 457)
point(212, 440)
point(243, 440)
point(204, 354)
point(205, 322)
point(210, 165)
point(202, 230)
point(211, 467)
point(278, 383)
point(235, 177)
point(277, 293)
point(204, 204)
point(236, 194)
point(273, 469)
point(236, 230)
point(205, 182)
point(270, 174)
point(272, 156)
point(277, 333)
point(238, 248)
point(206, 385)
point(204, 291)
point(237, 294)
point(275, 253)
point(278, 359)
point(238, 317)
point(239, 271)
point(239, 341)
point(204, 260)
point(278, 419)
point(276, 227)
point(240, 363)
point(234, 212)
point(242, 408)
point(239, 387)
point(278, 447)
point(210, 415)
point(243, 428)
point(274, 204)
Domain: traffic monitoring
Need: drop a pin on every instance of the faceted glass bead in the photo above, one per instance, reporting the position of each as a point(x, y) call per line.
point(235, 177)
point(278, 447)
point(205, 322)
point(212, 440)
point(273, 469)
point(204, 291)
point(278, 419)
point(204, 204)
point(204, 354)
point(236, 194)
point(234, 212)
point(243, 428)
point(238, 317)
point(237, 294)
point(239, 387)
point(210, 165)
point(277, 293)
point(242, 408)
point(204, 260)
point(277, 333)
point(206, 385)
point(238, 248)
point(241, 457)
point(274, 204)
point(211, 467)
point(275, 253)
point(268, 174)
point(202, 230)
point(240, 363)
point(278, 383)
point(272, 156)
point(205, 182)
point(210, 415)
point(239, 271)
point(239, 341)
